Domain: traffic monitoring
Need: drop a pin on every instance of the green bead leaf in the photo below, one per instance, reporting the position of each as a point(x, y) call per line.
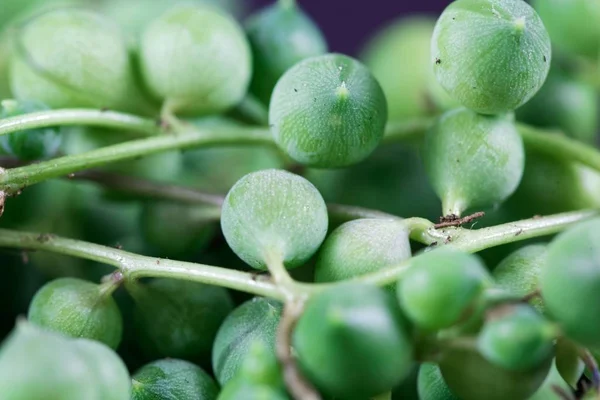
point(273, 214)
point(490, 55)
point(328, 112)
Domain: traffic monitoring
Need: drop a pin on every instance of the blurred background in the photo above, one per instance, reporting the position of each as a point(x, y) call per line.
point(348, 24)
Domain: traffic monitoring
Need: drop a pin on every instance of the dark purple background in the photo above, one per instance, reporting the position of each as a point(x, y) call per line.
point(347, 24)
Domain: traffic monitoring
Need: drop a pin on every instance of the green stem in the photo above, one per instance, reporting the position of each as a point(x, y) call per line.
point(472, 241)
point(12, 181)
point(559, 145)
point(135, 266)
point(70, 117)
point(188, 195)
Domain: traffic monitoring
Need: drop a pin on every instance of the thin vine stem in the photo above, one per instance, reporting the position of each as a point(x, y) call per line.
point(135, 266)
point(472, 241)
point(559, 145)
point(88, 117)
point(188, 195)
point(12, 181)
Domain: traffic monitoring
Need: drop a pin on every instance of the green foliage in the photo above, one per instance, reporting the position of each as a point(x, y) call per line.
point(78, 308)
point(492, 56)
point(297, 38)
point(273, 215)
point(179, 319)
point(196, 60)
point(328, 111)
point(473, 160)
point(347, 355)
point(172, 378)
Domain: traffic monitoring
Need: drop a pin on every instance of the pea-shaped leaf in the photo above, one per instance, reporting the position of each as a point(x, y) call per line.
point(398, 56)
point(196, 59)
point(176, 318)
point(570, 282)
point(37, 364)
point(31, 144)
point(328, 111)
point(520, 271)
point(574, 25)
point(362, 246)
point(274, 215)
point(566, 104)
point(253, 322)
point(519, 339)
point(441, 287)
point(552, 185)
point(280, 35)
point(79, 309)
point(173, 379)
point(473, 160)
point(352, 341)
point(109, 371)
point(431, 384)
point(470, 377)
point(74, 58)
point(490, 55)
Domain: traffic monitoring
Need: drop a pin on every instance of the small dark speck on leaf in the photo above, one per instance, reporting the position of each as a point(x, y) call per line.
point(545, 59)
point(519, 232)
point(104, 109)
point(438, 61)
point(295, 90)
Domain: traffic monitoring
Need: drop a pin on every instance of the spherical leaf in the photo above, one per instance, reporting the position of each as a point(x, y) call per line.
point(565, 104)
point(570, 282)
point(73, 58)
point(490, 55)
point(196, 59)
point(574, 25)
point(238, 389)
point(362, 246)
point(274, 214)
point(177, 318)
point(39, 364)
point(78, 308)
point(551, 185)
point(398, 56)
point(441, 287)
point(431, 384)
point(328, 111)
point(519, 340)
point(472, 160)
point(109, 371)
point(297, 37)
point(471, 377)
point(254, 321)
point(30, 144)
point(173, 378)
point(345, 339)
point(520, 271)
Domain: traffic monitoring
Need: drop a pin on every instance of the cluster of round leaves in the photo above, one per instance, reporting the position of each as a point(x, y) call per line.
point(354, 340)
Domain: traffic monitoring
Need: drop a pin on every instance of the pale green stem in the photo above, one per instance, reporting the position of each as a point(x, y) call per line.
point(135, 266)
point(12, 181)
point(560, 146)
point(472, 241)
point(70, 117)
